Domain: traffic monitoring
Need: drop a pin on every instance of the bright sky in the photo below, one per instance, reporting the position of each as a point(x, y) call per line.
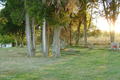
point(103, 25)
point(1, 6)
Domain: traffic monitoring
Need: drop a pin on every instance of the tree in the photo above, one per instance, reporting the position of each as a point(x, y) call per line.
point(13, 11)
point(19, 17)
point(30, 33)
point(49, 12)
point(39, 12)
point(84, 5)
point(7, 26)
point(111, 11)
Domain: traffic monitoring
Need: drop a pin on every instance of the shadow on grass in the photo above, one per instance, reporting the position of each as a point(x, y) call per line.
point(63, 53)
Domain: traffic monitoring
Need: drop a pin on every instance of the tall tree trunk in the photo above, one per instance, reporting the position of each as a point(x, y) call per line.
point(85, 32)
point(51, 36)
point(114, 20)
point(22, 38)
point(78, 34)
point(16, 40)
point(56, 42)
point(48, 37)
point(28, 36)
point(44, 40)
point(70, 34)
point(67, 37)
point(113, 33)
point(110, 33)
point(33, 37)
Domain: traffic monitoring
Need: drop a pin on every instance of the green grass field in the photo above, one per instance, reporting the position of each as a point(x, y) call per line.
point(85, 64)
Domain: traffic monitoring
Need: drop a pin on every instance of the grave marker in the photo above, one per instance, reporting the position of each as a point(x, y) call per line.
point(114, 45)
point(91, 46)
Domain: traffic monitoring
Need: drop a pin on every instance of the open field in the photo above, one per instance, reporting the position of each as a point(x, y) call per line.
point(102, 39)
point(97, 64)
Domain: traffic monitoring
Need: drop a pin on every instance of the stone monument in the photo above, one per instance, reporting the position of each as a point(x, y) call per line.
point(91, 46)
point(114, 45)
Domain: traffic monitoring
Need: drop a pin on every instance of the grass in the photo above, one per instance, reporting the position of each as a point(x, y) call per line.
point(84, 64)
point(103, 40)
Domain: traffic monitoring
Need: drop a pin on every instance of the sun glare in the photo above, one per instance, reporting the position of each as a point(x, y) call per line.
point(117, 28)
point(103, 25)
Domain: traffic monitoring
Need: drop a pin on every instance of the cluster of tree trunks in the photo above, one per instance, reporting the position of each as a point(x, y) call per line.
point(30, 36)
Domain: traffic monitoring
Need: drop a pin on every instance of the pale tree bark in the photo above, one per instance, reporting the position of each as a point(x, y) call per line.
point(33, 37)
point(44, 40)
point(16, 40)
point(56, 42)
point(85, 32)
point(28, 36)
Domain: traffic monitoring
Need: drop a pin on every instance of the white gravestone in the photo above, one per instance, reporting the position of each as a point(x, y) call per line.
point(114, 43)
point(91, 46)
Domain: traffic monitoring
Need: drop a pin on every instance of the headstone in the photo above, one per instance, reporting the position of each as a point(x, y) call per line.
point(72, 50)
point(114, 44)
point(91, 46)
point(63, 43)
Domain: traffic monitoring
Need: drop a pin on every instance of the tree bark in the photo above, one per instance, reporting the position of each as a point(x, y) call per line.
point(114, 20)
point(16, 40)
point(78, 34)
point(51, 36)
point(48, 37)
point(33, 38)
point(44, 40)
point(22, 39)
point(85, 32)
point(28, 36)
point(70, 34)
point(56, 43)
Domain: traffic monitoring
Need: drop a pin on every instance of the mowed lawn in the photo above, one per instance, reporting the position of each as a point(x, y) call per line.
point(84, 64)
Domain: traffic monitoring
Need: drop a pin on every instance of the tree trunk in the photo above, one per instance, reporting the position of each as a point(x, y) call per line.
point(70, 34)
point(114, 20)
point(22, 39)
point(16, 40)
point(56, 43)
point(33, 38)
point(28, 36)
point(51, 36)
point(48, 37)
point(85, 32)
point(44, 40)
point(78, 34)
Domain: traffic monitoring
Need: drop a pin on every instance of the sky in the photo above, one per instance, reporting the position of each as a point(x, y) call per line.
point(1, 5)
point(102, 24)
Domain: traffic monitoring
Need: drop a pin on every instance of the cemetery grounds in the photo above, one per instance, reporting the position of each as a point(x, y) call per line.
point(84, 64)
